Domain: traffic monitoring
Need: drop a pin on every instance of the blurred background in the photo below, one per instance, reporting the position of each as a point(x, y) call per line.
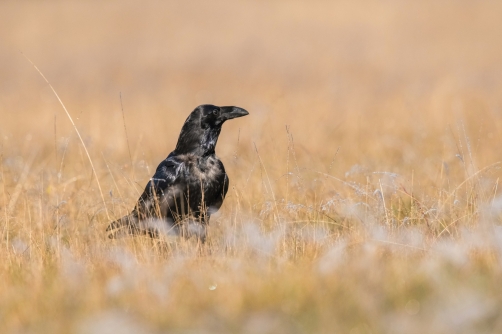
point(339, 73)
point(386, 115)
point(396, 86)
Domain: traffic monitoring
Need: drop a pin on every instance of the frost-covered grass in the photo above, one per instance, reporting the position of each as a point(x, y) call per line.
point(364, 192)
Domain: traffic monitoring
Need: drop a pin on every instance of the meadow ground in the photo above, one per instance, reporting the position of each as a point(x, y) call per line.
point(364, 190)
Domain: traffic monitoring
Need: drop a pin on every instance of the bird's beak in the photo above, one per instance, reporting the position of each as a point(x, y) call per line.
point(232, 112)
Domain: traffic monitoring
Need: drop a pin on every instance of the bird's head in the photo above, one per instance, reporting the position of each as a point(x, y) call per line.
point(202, 127)
point(213, 116)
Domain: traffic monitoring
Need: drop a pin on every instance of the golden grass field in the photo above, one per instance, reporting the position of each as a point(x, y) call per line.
point(364, 193)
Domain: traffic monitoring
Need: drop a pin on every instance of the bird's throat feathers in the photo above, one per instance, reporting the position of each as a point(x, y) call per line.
point(196, 140)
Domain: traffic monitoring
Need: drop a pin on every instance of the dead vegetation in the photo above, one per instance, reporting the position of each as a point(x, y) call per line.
point(364, 190)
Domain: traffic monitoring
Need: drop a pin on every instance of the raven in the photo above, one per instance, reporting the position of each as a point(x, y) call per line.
point(188, 186)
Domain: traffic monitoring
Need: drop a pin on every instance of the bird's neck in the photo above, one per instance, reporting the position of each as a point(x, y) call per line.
point(201, 142)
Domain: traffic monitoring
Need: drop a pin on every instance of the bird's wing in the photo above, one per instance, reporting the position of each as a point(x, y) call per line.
point(164, 178)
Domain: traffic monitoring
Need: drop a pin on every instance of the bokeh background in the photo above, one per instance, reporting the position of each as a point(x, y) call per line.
point(364, 193)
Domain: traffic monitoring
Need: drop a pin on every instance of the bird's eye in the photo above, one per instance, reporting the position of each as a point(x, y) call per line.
point(215, 112)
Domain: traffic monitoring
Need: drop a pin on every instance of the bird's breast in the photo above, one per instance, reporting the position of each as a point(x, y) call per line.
point(203, 172)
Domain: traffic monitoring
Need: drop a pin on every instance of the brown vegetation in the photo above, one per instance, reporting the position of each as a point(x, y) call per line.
point(364, 183)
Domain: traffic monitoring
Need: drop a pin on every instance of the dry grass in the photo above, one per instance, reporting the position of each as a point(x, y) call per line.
point(371, 204)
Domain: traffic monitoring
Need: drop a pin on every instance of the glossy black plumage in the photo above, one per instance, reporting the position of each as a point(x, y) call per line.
point(188, 186)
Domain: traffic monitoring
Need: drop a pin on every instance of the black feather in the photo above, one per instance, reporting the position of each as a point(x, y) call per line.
point(188, 186)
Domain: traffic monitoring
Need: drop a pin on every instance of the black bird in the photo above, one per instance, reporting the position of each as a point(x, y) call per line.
point(188, 186)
